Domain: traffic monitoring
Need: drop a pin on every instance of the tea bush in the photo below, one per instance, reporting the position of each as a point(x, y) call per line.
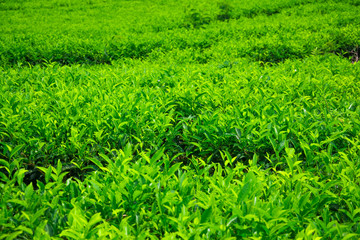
point(179, 119)
point(81, 33)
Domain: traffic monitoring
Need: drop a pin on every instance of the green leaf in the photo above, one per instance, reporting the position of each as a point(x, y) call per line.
point(40, 232)
point(38, 214)
point(303, 200)
point(70, 233)
point(128, 150)
point(20, 175)
point(173, 169)
point(231, 220)
point(205, 216)
point(244, 192)
point(25, 229)
point(329, 185)
point(48, 172)
point(13, 235)
point(290, 152)
point(5, 163)
point(58, 168)
point(96, 162)
point(15, 150)
point(157, 156)
point(96, 218)
point(4, 177)
point(62, 175)
point(29, 190)
point(20, 202)
point(351, 236)
point(255, 159)
point(238, 133)
point(106, 158)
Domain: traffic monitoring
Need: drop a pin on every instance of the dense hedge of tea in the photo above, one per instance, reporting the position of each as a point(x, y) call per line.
point(72, 113)
point(96, 32)
point(179, 119)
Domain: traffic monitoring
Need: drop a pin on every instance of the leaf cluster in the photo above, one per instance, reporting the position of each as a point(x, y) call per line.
point(153, 197)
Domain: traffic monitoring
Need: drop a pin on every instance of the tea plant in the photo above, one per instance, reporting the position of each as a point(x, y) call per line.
point(179, 120)
point(261, 31)
point(148, 198)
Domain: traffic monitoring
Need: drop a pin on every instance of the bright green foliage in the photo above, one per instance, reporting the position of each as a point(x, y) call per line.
point(73, 113)
point(179, 119)
point(155, 196)
point(96, 32)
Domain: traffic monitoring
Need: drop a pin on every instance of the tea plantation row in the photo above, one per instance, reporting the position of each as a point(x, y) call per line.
point(179, 119)
point(196, 31)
